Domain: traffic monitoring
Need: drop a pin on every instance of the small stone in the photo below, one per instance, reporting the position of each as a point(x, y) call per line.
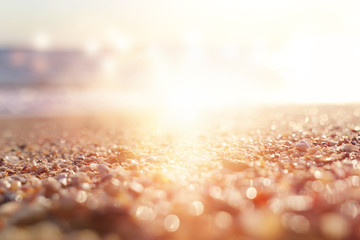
point(21, 179)
point(234, 165)
point(62, 180)
point(51, 185)
point(15, 185)
point(55, 166)
point(312, 150)
point(302, 145)
point(5, 184)
point(112, 187)
point(334, 226)
point(9, 208)
point(45, 230)
point(78, 179)
point(136, 187)
point(124, 154)
point(28, 215)
point(349, 148)
point(85, 168)
point(103, 169)
point(42, 169)
point(11, 159)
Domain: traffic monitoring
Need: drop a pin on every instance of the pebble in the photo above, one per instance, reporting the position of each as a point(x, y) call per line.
point(42, 169)
point(28, 214)
point(171, 187)
point(234, 165)
point(15, 185)
point(349, 148)
point(103, 169)
point(45, 230)
point(9, 208)
point(51, 185)
point(112, 188)
point(62, 180)
point(302, 145)
point(312, 150)
point(334, 226)
point(136, 187)
point(5, 184)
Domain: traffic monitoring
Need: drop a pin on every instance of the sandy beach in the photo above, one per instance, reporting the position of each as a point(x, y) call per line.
point(288, 172)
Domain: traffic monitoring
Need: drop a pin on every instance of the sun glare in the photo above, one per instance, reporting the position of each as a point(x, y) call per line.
point(181, 106)
point(41, 41)
point(179, 119)
point(91, 47)
point(118, 41)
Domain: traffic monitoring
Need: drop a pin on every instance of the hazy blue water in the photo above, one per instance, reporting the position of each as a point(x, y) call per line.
point(35, 82)
point(22, 67)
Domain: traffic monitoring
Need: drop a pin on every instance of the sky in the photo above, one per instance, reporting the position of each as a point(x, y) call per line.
point(291, 51)
point(72, 23)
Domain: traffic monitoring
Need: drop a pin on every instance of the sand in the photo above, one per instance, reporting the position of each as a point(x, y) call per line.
point(289, 172)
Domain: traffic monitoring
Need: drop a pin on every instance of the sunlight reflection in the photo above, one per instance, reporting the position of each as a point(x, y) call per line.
point(172, 223)
point(41, 41)
point(117, 40)
point(91, 47)
point(229, 50)
point(109, 66)
point(196, 208)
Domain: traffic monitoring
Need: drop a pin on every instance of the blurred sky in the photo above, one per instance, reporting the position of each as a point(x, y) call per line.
point(279, 50)
point(71, 23)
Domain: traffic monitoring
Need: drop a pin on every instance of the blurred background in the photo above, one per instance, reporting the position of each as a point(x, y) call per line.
point(86, 55)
